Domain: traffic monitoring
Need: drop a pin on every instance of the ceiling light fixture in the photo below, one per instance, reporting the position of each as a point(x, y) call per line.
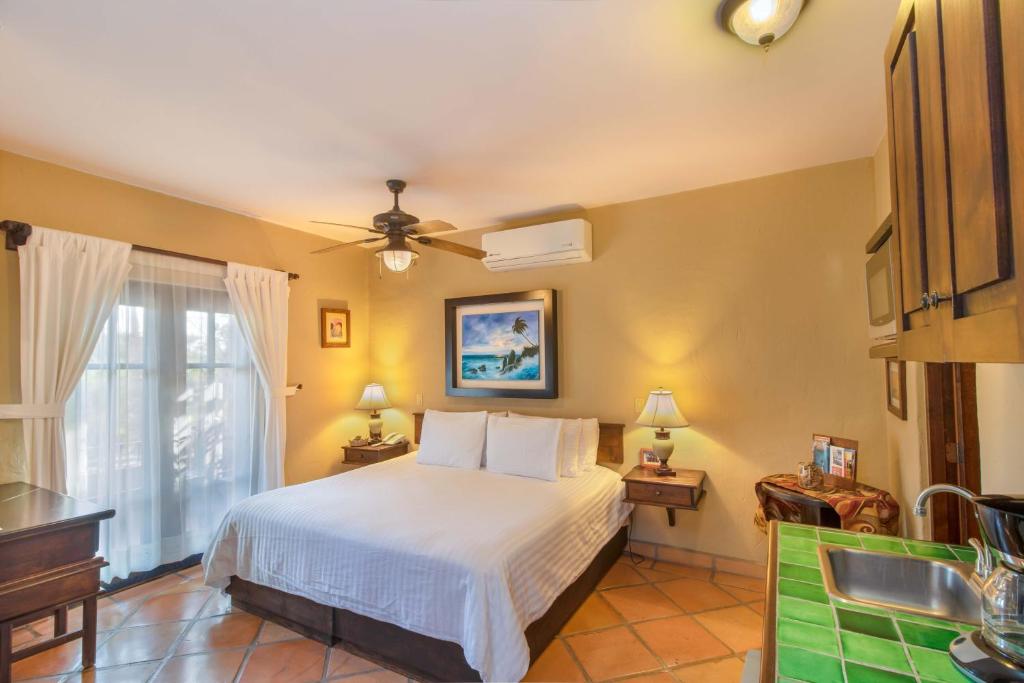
point(397, 257)
point(759, 22)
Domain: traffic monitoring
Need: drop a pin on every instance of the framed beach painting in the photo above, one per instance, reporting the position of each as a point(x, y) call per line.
point(502, 345)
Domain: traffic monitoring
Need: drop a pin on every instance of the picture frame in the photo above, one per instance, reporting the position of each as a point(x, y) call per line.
point(648, 460)
point(896, 387)
point(502, 345)
point(335, 328)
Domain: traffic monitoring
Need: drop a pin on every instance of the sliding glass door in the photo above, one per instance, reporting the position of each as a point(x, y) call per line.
point(165, 424)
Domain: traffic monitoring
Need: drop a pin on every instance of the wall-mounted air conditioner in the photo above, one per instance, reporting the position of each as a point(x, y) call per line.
point(550, 244)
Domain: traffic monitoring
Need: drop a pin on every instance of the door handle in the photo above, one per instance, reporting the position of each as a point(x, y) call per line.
point(926, 300)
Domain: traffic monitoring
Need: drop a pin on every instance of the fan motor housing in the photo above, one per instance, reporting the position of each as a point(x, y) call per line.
point(392, 220)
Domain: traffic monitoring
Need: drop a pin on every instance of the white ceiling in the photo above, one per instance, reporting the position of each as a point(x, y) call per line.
point(490, 109)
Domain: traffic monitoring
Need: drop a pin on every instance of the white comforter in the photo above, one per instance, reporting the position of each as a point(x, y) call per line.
point(462, 555)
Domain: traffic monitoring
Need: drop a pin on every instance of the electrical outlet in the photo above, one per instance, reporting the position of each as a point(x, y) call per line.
point(419, 400)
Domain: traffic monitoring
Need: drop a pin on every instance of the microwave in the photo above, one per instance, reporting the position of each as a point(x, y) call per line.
point(881, 302)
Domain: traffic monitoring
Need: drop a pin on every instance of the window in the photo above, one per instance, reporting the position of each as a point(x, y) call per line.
point(165, 423)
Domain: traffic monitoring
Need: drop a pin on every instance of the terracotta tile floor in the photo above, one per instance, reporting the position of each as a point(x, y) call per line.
point(648, 622)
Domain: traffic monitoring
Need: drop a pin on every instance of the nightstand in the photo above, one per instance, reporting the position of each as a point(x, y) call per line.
point(367, 455)
point(681, 492)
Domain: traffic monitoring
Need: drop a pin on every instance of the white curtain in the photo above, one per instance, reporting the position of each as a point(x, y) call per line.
point(69, 284)
point(165, 425)
point(260, 300)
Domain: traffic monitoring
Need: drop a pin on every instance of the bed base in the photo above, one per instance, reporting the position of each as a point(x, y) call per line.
point(411, 654)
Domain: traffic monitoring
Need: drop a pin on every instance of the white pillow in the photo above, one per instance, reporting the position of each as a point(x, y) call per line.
point(569, 447)
point(568, 443)
point(523, 447)
point(588, 443)
point(492, 413)
point(452, 439)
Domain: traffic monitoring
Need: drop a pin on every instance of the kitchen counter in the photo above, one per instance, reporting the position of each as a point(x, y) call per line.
point(811, 636)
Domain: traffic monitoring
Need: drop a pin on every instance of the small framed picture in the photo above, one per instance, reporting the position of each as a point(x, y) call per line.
point(334, 328)
point(648, 460)
point(896, 387)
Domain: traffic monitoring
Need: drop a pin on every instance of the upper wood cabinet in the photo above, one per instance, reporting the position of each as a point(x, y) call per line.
point(956, 156)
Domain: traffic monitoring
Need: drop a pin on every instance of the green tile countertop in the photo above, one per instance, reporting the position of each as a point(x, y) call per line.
point(821, 639)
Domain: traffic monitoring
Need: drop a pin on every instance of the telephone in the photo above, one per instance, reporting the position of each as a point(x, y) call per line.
point(393, 439)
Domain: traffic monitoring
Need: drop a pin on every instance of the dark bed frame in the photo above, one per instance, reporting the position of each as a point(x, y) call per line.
point(412, 654)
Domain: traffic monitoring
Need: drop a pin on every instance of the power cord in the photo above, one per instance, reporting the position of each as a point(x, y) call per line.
point(635, 558)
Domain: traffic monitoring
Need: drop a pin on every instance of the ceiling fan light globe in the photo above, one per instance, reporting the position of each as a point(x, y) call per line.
point(397, 260)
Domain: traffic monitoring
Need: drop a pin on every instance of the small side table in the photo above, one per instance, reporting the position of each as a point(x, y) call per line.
point(48, 543)
point(839, 503)
point(681, 492)
point(368, 455)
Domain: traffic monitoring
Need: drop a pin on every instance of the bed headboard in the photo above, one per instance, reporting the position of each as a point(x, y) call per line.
point(609, 439)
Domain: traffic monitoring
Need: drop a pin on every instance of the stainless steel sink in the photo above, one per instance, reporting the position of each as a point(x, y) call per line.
point(935, 588)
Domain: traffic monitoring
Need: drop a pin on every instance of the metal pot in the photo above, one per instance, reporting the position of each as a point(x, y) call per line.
point(1002, 522)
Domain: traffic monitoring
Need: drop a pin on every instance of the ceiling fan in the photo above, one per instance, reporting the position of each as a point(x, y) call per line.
point(397, 226)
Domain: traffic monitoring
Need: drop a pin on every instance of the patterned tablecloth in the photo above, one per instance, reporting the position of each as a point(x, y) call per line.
point(860, 507)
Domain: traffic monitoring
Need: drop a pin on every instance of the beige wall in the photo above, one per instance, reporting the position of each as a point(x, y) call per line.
point(1001, 427)
point(906, 440)
point(746, 299)
point(320, 416)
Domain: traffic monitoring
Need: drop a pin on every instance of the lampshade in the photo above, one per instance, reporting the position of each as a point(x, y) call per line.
point(373, 398)
point(397, 260)
point(661, 411)
point(760, 22)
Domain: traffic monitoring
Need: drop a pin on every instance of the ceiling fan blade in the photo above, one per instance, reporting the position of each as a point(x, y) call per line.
point(348, 225)
point(454, 247)
point(335, 247)
point(427, 227)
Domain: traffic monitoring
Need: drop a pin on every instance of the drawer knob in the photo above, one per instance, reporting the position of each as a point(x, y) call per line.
point(657, 493)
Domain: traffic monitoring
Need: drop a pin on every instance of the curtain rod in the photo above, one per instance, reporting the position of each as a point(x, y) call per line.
point(17, 234)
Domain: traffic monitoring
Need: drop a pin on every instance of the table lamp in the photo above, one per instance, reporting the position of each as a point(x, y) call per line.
point(662, 413)
point(374, 399)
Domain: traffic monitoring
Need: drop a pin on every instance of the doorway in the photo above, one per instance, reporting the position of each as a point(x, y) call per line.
point(951, 400)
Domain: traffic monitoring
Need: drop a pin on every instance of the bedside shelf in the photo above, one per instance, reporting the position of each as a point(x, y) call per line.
point(685, 491)
point(368, 455)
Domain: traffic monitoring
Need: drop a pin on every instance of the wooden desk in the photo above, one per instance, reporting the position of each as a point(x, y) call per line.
point(48, 543)
point(681, 492)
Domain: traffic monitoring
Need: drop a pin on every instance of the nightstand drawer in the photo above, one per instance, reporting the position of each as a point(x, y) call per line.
point(357, 455)
point(659, 495)
point(367, 455)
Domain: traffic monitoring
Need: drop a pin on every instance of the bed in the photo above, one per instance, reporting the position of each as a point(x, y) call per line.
point(439, 573)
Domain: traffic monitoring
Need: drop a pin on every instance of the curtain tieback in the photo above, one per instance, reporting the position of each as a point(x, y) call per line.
point(28, 411)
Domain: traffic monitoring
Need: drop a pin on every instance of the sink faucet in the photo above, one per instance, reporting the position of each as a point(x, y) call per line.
point(983, 565)
point(922, 498)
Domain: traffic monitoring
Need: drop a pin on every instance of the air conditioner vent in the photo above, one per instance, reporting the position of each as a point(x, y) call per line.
point(550, 244)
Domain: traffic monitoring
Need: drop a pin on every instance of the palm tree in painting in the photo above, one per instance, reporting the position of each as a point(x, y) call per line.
point(519, 327)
